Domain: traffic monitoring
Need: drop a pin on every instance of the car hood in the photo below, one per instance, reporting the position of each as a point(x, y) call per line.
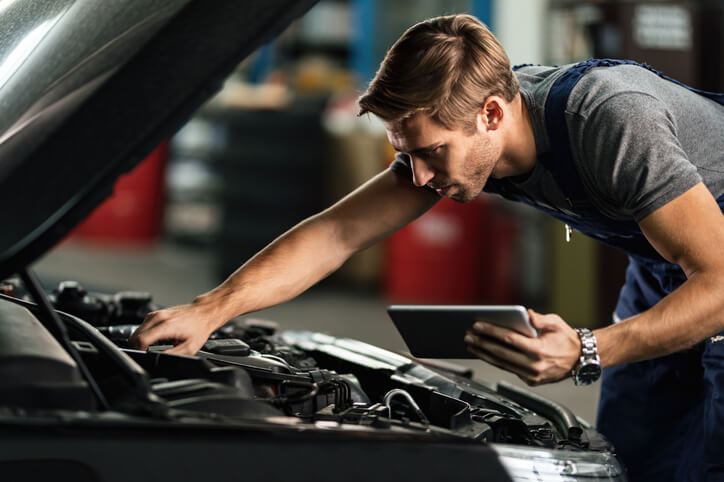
point(89, 88)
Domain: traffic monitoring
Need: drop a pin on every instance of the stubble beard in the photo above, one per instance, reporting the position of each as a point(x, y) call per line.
point(479, 164)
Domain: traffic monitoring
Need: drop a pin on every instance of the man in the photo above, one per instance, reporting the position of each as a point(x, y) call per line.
point(614, 150)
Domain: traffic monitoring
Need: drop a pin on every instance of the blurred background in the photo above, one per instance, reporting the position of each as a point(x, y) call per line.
point(281, 141)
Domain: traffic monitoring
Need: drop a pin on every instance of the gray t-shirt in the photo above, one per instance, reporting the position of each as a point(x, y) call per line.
point(638, 140)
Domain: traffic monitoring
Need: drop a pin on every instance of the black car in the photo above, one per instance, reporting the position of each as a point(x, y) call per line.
point(87, 89)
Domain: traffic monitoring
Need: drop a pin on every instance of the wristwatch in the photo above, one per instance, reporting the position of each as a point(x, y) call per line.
point(588, 368)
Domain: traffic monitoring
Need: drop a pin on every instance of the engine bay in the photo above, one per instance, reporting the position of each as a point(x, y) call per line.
point(250, 370)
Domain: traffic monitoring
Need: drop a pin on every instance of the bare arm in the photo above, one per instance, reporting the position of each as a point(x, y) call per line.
point(688, 231)
point(293, 262)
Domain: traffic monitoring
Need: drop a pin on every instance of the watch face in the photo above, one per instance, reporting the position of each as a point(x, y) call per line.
point(588, 373)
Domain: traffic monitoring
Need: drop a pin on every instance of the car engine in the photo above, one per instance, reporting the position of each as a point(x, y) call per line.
point(250, 370)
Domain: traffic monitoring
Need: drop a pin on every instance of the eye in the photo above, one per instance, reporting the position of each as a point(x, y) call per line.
point(434, 151)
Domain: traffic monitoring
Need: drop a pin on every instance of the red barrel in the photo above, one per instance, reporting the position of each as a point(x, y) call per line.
point(133, 214)
point(454, 254)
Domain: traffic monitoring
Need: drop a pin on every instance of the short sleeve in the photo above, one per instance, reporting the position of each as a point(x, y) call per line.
point(630, 156)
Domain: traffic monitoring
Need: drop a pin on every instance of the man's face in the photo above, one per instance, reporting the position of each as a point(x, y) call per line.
point(455, 163)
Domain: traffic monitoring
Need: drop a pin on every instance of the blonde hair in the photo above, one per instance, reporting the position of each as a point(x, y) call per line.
point(444, 67)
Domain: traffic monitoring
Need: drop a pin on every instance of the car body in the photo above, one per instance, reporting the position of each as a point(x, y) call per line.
point(88, 89)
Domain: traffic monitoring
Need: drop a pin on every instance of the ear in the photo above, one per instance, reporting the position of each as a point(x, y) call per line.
point(491, 113)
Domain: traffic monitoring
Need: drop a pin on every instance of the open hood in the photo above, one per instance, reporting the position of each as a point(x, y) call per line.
point(89, 88)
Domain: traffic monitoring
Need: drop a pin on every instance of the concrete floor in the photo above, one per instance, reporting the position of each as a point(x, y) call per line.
point(176, 274)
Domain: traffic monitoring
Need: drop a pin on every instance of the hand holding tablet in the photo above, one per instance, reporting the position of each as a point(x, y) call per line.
point(438, 331)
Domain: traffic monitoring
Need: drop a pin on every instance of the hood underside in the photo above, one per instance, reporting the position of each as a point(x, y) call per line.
point(88, 89)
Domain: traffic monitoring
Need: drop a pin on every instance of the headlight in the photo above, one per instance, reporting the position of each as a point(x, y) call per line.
point(524, 463)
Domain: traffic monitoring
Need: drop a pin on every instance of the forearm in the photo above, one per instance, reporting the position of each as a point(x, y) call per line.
point(292, 263)
point(285, 268)
point(288, 266)
point(683, 318)
point(318, 246)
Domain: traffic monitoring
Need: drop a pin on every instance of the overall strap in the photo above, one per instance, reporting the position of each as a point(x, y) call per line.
point(561, 162)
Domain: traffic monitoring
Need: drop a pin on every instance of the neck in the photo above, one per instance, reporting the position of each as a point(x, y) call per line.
point(519, 154)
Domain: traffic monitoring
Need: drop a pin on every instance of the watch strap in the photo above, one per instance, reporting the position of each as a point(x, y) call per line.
point(588, 343)
point(588, 359)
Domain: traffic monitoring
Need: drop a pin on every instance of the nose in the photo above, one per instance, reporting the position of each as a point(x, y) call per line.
point(421, 172)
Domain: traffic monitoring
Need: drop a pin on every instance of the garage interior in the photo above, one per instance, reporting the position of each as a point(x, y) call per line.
point(281, 141)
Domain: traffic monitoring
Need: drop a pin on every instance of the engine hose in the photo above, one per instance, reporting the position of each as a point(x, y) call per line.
point(387, 399)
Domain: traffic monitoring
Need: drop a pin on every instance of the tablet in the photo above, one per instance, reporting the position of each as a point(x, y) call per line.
point(438, 331)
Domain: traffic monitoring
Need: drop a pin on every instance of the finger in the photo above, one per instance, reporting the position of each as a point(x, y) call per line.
point(137, 342)
point(488, 329)
point(134, 341)
point(485, 357)
point(184, 348)
point(506, 336)
point(149, 321)
point(501, 352)
point(531, 382)
point(142, 339)
point(149, 316)
point(152, 319)
point(502, 364)
point(542, 322)
point(537, 320)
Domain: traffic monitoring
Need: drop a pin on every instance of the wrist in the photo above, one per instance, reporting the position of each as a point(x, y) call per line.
point(218, 305)
point(588, 367)
point(576, 353)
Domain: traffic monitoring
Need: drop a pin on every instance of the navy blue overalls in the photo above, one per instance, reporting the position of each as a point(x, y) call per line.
point(664, 416)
